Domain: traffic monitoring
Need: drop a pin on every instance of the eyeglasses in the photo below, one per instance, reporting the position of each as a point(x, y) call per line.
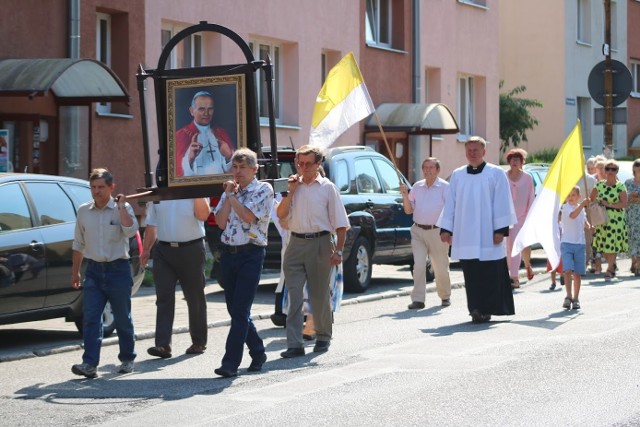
point(610, 169)
point(305, 165)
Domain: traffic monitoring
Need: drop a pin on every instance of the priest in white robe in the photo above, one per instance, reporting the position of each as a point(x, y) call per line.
point(475, 221)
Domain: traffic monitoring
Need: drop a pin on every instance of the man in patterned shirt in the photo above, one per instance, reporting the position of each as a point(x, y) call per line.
point(243, 214)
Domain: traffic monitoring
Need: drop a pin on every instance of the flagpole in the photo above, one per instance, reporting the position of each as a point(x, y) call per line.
point(384, 137)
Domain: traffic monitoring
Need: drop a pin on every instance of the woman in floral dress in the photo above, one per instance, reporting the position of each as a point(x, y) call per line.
point(611, 238)
point(633, 217)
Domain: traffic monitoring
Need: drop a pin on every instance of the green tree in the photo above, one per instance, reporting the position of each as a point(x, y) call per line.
point(515, 117)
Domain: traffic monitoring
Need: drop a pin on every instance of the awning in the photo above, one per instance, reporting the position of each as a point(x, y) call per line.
point(71, 81)
point(414, 119)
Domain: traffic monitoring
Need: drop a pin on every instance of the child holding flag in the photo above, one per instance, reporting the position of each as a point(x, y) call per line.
point(573, 221)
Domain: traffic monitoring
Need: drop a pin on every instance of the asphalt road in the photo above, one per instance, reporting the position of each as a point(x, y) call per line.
point(386, 366)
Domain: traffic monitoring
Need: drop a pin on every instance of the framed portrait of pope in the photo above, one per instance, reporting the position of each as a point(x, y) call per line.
point(206, 123)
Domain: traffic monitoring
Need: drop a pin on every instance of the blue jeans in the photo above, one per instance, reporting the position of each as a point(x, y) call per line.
point(112, 282)
point(241, 274)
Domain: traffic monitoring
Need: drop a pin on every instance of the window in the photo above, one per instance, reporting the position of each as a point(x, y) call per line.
point(388, 176)
point(465, 105)
point(187, 53)
point(378, 22)
point(262, 51)
point(73, 159)
point(51, 203)
point(584, 114)
point(14, 213)
point(635, 74)
point(103, 51)
point(79, 193)
point(342, 176)
point(366, 177)
point(584, 21)
point(482, 3)
point(323, 68)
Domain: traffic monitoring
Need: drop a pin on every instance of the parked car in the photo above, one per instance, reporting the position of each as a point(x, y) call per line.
point(369, 188)
point(538, 172)
point(626, 170)
point(37, 222)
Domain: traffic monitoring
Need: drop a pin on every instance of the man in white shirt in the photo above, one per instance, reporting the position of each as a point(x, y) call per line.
point(425, 202)
point(178, 256)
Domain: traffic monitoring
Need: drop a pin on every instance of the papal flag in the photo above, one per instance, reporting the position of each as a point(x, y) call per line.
point(541, 225)
point(342, 101)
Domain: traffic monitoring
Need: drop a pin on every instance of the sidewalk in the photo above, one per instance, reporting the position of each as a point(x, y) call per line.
point(387, 282)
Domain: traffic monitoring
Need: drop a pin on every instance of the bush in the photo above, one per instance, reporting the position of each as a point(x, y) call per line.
point(543, 156)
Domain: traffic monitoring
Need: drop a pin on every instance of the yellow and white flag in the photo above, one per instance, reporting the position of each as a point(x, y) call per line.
point(342, 101)
point(541, 225)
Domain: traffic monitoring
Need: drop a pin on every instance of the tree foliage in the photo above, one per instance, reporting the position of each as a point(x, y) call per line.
point(515, 117)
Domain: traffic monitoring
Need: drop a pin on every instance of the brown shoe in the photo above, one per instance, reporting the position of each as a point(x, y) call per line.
point(196, 349)
point(159, 351)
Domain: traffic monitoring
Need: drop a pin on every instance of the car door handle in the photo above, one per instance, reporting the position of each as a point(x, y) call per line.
point(36, 246)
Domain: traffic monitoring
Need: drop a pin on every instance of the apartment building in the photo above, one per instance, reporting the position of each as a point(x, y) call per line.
point(74, 109)
point(409, 51)
point(550, 47)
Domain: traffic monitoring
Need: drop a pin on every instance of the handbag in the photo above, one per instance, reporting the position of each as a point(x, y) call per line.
point(597, 214)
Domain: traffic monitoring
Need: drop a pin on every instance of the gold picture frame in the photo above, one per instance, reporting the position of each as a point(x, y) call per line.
point(206, 123)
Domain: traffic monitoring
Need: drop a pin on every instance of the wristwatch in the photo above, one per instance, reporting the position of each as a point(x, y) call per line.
point(339, 253)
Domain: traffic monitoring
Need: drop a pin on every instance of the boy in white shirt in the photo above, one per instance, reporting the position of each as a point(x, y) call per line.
point(573, 222)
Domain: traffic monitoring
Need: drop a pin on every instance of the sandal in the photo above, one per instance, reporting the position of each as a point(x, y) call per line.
point(529, 273)
point(609, 274)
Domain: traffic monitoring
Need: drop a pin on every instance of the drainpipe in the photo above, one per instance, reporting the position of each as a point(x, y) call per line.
point(74, 28)
point(416, 52)
point(70, 142)
point(413, 141)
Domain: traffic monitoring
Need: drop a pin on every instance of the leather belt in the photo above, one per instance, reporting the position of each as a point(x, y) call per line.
point(238, 248)
point(309, 235)
point(180, 244)
point(426, 227)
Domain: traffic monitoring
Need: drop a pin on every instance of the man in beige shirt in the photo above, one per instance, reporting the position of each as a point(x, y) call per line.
point(103, 228)
point(315, 212)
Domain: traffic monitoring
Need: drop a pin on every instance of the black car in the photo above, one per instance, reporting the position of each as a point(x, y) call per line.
point(37, 222)
point(369, 187)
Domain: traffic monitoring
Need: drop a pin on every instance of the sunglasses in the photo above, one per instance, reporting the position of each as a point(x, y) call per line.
point(611, 169)
point(305, 165)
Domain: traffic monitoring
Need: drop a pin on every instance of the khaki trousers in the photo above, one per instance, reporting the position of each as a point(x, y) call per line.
point(427, 243)
point(307, 261)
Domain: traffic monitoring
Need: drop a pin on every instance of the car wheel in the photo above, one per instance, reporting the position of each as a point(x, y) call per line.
point(108, 322)
point(430, 275)
point(217, 273)
point(357, 268)
point(278, 317)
